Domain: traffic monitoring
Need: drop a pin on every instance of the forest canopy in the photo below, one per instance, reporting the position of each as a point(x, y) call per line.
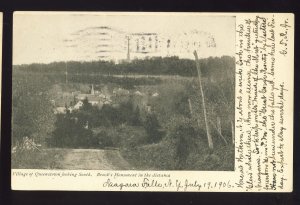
point(150, 66)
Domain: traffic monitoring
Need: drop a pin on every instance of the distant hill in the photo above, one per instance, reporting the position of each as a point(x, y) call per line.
point(212, 66)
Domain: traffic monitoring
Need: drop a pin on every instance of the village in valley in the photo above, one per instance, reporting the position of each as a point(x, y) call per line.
point(72, 101)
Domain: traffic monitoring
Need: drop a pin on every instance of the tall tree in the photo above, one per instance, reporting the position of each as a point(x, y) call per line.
point(32, 110)
point(209, 137)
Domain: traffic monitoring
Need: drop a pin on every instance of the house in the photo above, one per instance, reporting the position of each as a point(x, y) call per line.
point(139, 93)
point(78, 105)
point(94, 101)
point(155, 94)
point(94, 97)
point(60, 110)
point(120, 91)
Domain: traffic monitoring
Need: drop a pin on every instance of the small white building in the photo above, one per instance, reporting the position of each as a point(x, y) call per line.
point(139, 93)
point(60, 110)
point(155, 94)
point(78, 105)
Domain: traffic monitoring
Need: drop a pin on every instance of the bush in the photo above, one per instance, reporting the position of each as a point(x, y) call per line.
point(104, 140)
point(158, 156)
point(123, 136)
point(152, 128)
point(70, 133)
point(129, 137)
point(32, 114)
point(183, 148)
point(183, 134)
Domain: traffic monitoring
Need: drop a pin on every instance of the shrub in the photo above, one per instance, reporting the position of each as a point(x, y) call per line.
point(158, 156)
point(104, 139)
point(130, 137)
point(182, 134)
point(70, 133)
point(152, 128)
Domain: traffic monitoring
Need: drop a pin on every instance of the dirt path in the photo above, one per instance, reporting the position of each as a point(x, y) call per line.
point(91, 159)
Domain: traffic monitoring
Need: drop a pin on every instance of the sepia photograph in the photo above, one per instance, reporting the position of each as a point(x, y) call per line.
point(122, 91)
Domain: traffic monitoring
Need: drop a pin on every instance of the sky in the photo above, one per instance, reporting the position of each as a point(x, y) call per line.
point(38, 36)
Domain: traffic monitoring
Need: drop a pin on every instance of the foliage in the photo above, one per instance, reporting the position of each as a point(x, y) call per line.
point(211, 66)
point(130, 137)
point(32, 114)
point(71, 133)
point(182, 134)
point(158, 156)
point(129, 114)
point(122, 136)
point(75, 129)
point(183, 148)
point(172, 100)
point(171, 136)
point(152, 128)
point(104, 140)
point(123, 81)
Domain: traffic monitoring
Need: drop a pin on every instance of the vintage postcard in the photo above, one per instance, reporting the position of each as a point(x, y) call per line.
point(120, 101)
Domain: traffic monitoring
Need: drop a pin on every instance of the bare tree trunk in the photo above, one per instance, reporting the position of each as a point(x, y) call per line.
point(232, 132)
point(219, 127)
point(190, 106)
point(209, 138)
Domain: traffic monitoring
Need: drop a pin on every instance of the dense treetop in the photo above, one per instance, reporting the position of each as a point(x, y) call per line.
point(150, 66)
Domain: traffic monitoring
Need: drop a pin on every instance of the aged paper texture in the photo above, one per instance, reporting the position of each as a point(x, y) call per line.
point(187, 102)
